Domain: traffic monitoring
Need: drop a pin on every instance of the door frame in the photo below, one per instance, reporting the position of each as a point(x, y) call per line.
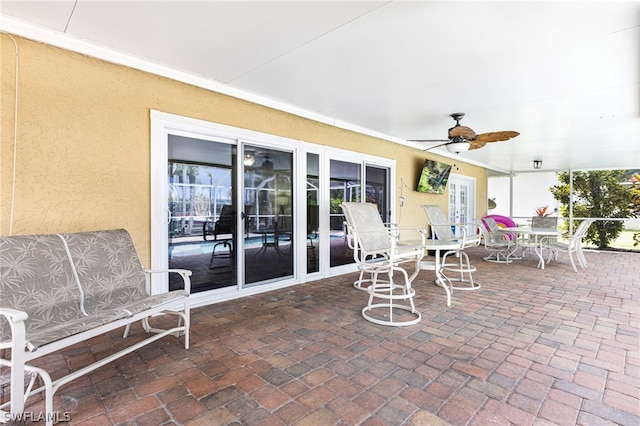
point(162, 124)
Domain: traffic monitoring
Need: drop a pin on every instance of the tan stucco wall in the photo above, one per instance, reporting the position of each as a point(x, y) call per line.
point(83, 142)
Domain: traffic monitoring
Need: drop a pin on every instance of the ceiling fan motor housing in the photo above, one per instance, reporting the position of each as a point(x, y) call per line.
point(457, 116)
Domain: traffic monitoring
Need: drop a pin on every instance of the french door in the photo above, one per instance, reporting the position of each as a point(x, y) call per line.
point(461, 199)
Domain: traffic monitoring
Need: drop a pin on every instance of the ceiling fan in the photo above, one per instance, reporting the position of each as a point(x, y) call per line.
point(463, 138)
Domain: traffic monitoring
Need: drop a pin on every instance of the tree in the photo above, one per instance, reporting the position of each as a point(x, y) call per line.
point(597, 194)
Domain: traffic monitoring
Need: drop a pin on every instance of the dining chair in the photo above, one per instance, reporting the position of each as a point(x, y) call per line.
point(538, 222)
point(442, 229)
point(223, 231)
point(547, 222)
point(386, 253)
point(572, 246)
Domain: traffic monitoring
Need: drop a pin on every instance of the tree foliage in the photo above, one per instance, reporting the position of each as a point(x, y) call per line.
point(597, 194)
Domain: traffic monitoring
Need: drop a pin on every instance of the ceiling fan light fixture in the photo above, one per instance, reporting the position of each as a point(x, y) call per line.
point(458, 146)
point(249, 159)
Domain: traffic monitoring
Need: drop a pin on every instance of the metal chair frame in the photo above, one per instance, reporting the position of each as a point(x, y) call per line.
point(441, 229)
point(502, 246)
point(574, 245)
point(380, 251)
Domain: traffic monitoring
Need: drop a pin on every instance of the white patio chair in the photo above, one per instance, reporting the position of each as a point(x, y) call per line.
point(500, 245)
point(574, 245)
point(378, 249)
point(442, 229)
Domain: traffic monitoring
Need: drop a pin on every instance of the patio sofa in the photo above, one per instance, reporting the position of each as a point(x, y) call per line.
point(57, 290)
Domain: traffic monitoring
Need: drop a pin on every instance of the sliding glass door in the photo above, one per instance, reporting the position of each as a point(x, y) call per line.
point(268, 214)
point(201, 231)
point(243, 210)
point(210, 221)
point(377, 189)
point(345, 184)
point(314, 242)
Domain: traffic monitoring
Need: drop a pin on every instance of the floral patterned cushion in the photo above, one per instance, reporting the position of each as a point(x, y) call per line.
point(36, 277)
point(108, 268)
point(57, 331)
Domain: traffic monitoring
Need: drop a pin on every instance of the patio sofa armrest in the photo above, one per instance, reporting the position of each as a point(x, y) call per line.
point(16, 319)
point(14, 315)
point(184, 273)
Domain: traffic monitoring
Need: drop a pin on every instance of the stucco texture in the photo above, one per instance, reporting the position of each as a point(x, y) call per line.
point(83, 142)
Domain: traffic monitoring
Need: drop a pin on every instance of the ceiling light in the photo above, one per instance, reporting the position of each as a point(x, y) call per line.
point(458, 145)
point(249, 160)
point(537, 164)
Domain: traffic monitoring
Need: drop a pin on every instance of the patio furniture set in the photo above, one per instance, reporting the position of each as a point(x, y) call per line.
point(62, 289)
point(384, 251)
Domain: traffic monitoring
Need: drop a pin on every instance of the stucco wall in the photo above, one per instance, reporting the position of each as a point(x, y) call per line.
point(83, 142)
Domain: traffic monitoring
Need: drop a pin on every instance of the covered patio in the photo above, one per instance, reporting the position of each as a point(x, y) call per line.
point(531, 347)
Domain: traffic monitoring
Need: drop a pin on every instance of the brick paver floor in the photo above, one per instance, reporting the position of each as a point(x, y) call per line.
point(531, 347)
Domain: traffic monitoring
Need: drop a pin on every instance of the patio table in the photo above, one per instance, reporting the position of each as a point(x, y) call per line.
point(536, 235)
point(438, 246)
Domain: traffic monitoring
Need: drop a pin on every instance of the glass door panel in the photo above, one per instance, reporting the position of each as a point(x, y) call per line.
point(268, 214)
point(377, 184)
point(313, 213)
point(201, 231)
point(345, 184)
point(453, 205)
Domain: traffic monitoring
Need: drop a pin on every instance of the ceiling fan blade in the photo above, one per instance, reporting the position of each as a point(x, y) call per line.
point(428, 140)
point(462, 131)
point(439, 145)
point(475, 144)
point(496, 136)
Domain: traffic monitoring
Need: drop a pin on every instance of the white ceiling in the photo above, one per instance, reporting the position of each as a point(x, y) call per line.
point(565, 74)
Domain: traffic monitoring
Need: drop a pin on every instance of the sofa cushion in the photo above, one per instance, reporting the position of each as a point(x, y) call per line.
point(36, 277)
point(108, 269)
